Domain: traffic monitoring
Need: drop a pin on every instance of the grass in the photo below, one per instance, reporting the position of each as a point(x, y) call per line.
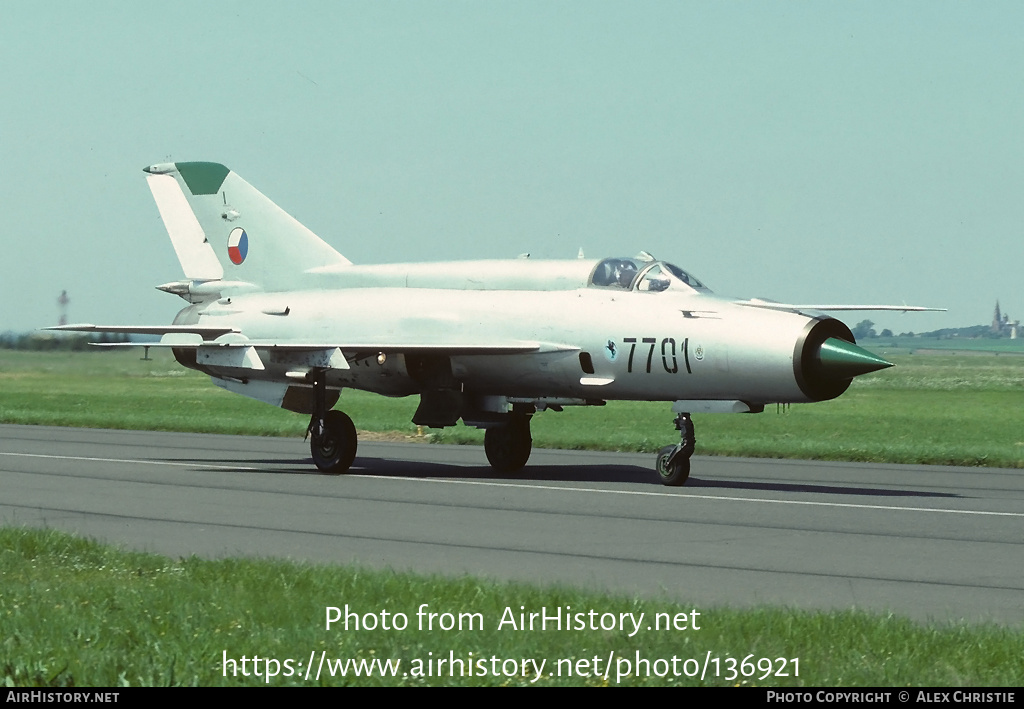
point(77, 613)
point(936, 409)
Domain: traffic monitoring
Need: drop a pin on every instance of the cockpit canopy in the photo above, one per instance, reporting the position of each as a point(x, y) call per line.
point(643, 275)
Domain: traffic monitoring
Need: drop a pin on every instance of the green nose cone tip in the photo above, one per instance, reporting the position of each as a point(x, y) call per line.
point(844, 360)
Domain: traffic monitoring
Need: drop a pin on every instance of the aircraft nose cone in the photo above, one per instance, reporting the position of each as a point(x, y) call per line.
point(838, 359)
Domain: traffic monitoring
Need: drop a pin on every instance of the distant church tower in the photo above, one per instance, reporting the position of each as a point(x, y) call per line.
point(62, 306)
point(1000, 322)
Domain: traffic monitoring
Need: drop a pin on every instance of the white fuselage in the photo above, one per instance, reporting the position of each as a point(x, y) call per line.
point(593, 343)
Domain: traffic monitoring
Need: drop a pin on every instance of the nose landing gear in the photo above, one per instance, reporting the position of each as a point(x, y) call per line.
point(673, 462)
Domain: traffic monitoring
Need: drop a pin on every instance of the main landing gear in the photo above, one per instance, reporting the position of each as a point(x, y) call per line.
point(673, 462)
point(508, 446)
point(332, 435)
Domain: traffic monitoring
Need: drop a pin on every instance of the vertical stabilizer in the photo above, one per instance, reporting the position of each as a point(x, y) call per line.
point(224, 228)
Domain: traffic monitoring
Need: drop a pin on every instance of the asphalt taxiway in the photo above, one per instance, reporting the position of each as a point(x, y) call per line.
point(933, 543)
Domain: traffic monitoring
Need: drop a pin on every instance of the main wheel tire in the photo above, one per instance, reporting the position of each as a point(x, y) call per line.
point(673, 475)
point(508, 447)
point(334, 450)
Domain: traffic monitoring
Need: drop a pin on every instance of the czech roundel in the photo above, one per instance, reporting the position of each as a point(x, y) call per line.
point(238, 245)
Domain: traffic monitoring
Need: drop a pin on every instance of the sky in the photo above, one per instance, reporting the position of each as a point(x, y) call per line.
point(868, 152)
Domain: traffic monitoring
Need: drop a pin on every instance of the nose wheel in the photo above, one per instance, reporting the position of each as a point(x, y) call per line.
point(673, 462)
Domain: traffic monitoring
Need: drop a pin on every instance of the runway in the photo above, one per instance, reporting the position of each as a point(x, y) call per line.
point(931, 543)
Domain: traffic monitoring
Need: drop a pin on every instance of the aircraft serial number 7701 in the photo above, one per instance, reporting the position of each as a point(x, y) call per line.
point(276, 314)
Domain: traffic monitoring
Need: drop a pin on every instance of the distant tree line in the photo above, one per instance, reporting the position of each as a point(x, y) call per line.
point(866, 329)
point(56, 342)
point(973, 331)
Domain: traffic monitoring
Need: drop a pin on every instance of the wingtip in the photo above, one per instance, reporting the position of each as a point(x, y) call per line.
point(79, 327)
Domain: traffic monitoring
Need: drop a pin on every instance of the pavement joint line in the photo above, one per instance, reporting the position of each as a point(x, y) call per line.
point(131, 461)
point(557, 488)
point(700, 497)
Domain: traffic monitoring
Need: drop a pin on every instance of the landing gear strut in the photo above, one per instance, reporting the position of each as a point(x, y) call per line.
point(332, 435)
point(508, 446)
point(673, 463)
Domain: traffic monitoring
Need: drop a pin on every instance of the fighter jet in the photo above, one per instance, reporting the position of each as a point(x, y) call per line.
point(277, 314)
